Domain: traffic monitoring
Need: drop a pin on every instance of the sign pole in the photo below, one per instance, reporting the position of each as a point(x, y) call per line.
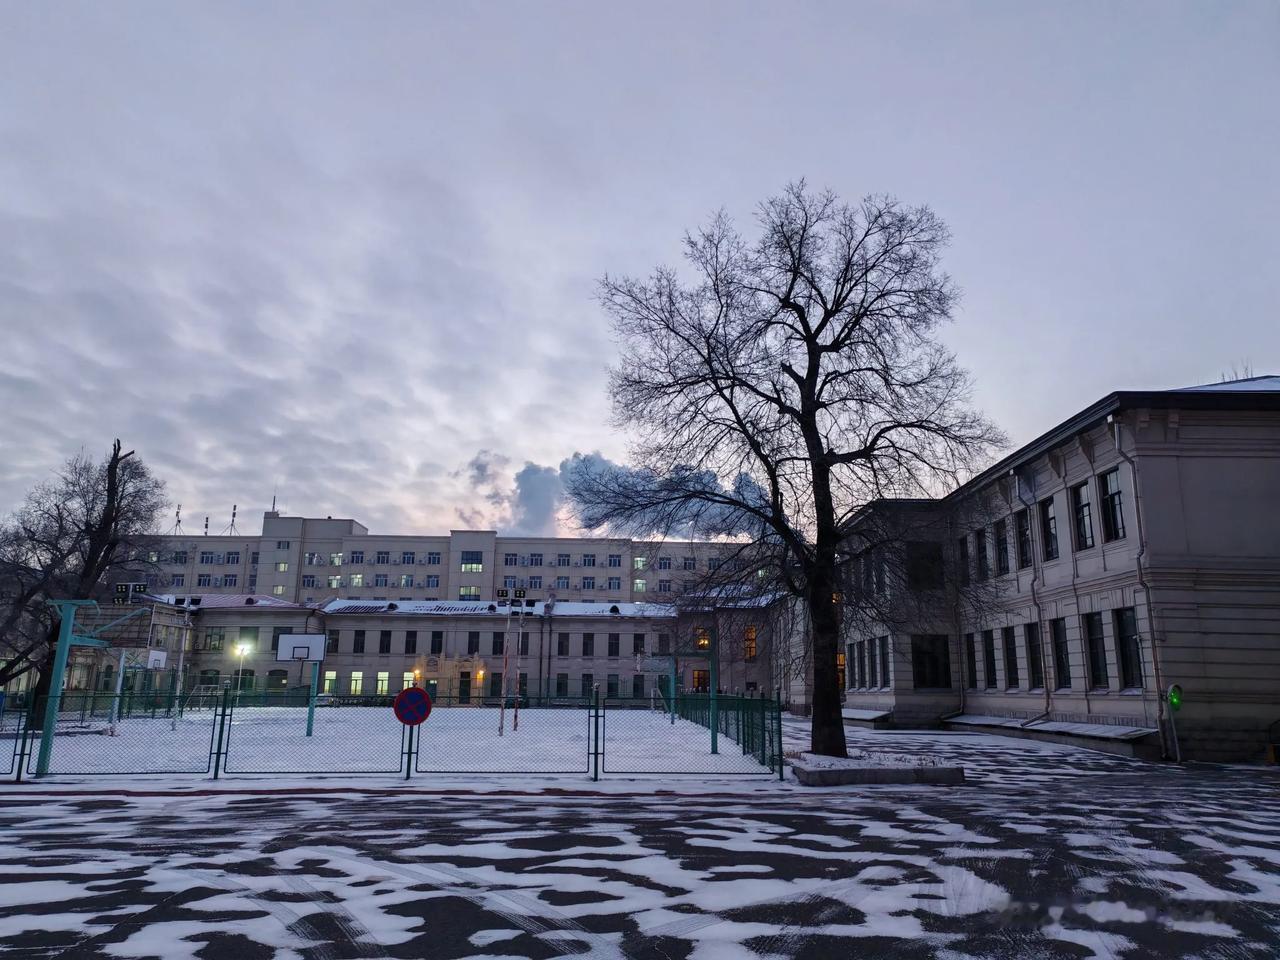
point(311, 700)
point(67, 615)
point(502, 689)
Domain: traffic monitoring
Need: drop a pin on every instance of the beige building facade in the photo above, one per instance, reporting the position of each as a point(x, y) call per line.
point(1132, 548)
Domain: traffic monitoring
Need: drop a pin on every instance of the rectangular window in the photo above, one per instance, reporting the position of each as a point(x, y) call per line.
point(407, 680)
point(357, 682)
point(588, 559)
point(562, 560)
point(276, 633)
point(1009, 638)
point(437, 642)
point(1096, 646)
point(357, 556)
point(701, 681)
point(473, 642)
point(535, 583)
point(615, 644)
point(971, 661)
point(615, 583)
point(468, 593)
point(213, 638)
point(637, 686)
point(384, 641)
point(382, 557)
point(408, 557)
point(872, 675)
point(204, 580)
point(562, 645)
point(335, 582)
point(664, 644)
point(508, 583)
point(357, 645)
point(432, 580)
point(495, 684)
point(689, 563)
point(406, 580)
point(664, 563)
point(588, 644)
point(562, 684)
point(464, 686)
point(924, 565)
point(331, 643)
point(884, 661)
point(282, 544)
point(309, 580)
point(433, 558)
point(637, 585)
point(615, 559)
point(588, 583)
point(989, 657)
point(1061, 654)
point(664, 586)
point(638, 563)
point(1022, 527)
point(984, 561)
point(1128, 648)
point(1048, 530)
point(253, 558)
point(860, 664)
point(611, 685)
point(231, 579)
point(1035, 664)
point(524, 643)
point(713, 563)
point(535, 559)
point(1112, 506)
point(637, 643)
point(749, 646)
point(411, 641)
point(562, 583)
point(510, 560)
point(588, 681)
point(282, 566)
point(930, 662)
point(383, 683)
point(962, 561)
point(499, 641)
point(206, 556)
point(180, 557)
point(357, 579)
point(1002, 547)
point(233, 558)
point(1082, 516)
point(472, 561)
point(253, 582)
point(379, 579)
point(330, 682)
point(178, 580)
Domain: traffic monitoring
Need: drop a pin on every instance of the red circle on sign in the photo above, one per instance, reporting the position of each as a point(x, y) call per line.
point(412, 705)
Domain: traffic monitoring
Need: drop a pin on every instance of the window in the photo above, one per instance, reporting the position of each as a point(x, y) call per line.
point(924, 565)
point(178, 579)
point(433, 558)
point(749, 648)
point(535, 583)
point(962, 560)
point(1002, 547)
point(382, 557)
point(984, 561)
point(860, 664)
point(510, 560)
point(562, 684)
point(989, 657)
point(379, 579)
point(180, 557)
point(522, 685)
point(432, 580)
point(535, 559)
point(637, 585)
point(499, 641)
point(588, 644)
point(871, 663)
point(473, 641)
point(206, 556)
point(588, 681)
point(1022, 527)
point(253, 558)
point(407, 557)
point(437, 642)
point(971, 661)
point(664, 563)
point(472, 561)
point(331, 641)
point(664, 586)
point(615, 583)
point(1010, 658)
point(524, 643)
point(1082, 516)
point(639, 563)
point(611, 685)
point(701, 638)
point(562, 583)
point(1048, 530)
point(282, 544)
point(495, 684)
point(468, 593)
point(382, 684)
point(357, 579)
point(1061, 654)
point(701, 681)
point(204, 580)
point(713, 563)
point(637, 686)
point(689, 563)
point(930, 662)
point(884, 661)
point(1128, 648)
point(615, 559)
point(309, 580)
point(562, 560)
point(637, 643)
point(213, 638)
point(233, 558)
point(357, 682)
point(407, 680)
point(357, 645)
point(562, 645)
point(1035, 666)
point(335, 582)
point(384, 641)
point(588, 559)
point(588, 583)
point(1112, 506)
point(335, 559)
point(330, 682)
point(357, 556)
point(282, 567)
point(1096, 645)
point(664, 644)
point(253, 582)
point(231, 580)
point(615, 644)
point(406, 580)
point(276, 632)
point(509, 583)
point(411, 641)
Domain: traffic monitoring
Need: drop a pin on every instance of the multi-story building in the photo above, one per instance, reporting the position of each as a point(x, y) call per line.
point(307, 560)
point(1063, 591)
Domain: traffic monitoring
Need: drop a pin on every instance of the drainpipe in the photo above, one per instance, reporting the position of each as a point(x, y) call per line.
point(1141, 561)
point(1035, 596)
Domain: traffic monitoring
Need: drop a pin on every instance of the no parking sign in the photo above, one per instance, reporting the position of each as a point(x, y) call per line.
point(411, 706)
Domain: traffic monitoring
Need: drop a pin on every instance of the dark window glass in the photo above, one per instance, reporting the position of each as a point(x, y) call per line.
point(971, 661)
point(411, 641)
point(562, 645)
point(1128, 649)
point(1048, 529)
point(384, 641)
point(588, 644)
point(989, 657)
point(437, 641)
point(588, 681)
point(1022, 524)
point(984, 562)
point(615, 645)
point(1009, 637)
point(637, 643)
point(1082, 516)
point(872, 676)
point(1061, 654)
point(332, 646)
point(1035, 666)
point(1096, 645)
point(884, 661)
point(524, 643)
point(924, 565)
point(473, 641)
point(664, 644)
point(1112, 506)
point(611, 685)
point(495, 684)
point(1002, 546)
point(562, 684)
point(499, 641)
point(358, 645)
point(930, 662)
point(962, 561)
point(464, 687)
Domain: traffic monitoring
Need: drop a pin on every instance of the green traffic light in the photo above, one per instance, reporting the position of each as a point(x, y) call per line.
point(1175, 697)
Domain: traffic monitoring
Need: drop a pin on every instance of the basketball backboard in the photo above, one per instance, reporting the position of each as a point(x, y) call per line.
point(301, 646)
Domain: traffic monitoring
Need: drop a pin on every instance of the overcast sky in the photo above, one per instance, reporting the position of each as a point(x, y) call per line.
point(347, 253)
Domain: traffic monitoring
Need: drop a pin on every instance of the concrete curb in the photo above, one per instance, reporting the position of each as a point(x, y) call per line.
point(849, 776)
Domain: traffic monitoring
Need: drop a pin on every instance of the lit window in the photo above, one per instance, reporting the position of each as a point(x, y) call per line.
point(357, 683)
point(638, 585)
point(701, 638)
point(282, 567)
point(383, 685)
point(330, 682)
point(638, 563)
point(335, 559)
point(357, 579)
point(749, 643)
point(335, 583)
point(472, 561)
point(468, 593)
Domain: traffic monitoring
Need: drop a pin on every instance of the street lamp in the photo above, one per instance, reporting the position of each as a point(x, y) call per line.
point(242, 650)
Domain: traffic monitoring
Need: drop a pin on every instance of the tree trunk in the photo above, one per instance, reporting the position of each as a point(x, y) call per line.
point(827, 730)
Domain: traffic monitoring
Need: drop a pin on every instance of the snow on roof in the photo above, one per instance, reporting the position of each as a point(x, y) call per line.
point(483, 608)
point(208, 600)
point(1266, 383)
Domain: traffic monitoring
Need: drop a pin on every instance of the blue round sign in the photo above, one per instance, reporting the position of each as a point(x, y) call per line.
point(412, 705)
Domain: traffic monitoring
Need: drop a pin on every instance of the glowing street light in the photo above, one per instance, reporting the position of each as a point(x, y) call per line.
point(242, 650)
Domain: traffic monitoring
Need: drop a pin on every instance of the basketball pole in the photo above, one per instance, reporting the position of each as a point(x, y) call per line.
point(311, 700)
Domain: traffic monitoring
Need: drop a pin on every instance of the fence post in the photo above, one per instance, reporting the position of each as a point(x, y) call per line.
point(222, 726)
point(596, 711)
point(23, 741)
point(764, 737)
point(777, 720)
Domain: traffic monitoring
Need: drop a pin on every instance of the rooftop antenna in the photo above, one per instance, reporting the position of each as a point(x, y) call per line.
point(206, 526)
point(177, 530)
point(232, 528)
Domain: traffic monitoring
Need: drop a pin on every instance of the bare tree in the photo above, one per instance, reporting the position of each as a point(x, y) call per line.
point(68, 540)
point(782, 387)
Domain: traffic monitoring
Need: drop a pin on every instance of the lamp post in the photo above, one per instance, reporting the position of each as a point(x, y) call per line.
point(242, 651)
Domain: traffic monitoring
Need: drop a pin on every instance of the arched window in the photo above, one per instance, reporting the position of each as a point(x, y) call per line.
point(209, 678)
point(277, 679)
